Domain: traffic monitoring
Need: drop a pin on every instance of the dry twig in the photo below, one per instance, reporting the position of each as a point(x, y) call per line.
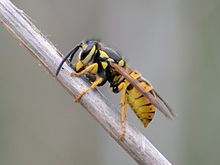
point(136, 144)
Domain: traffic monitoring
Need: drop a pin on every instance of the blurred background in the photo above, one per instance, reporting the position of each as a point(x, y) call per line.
point(175, 44)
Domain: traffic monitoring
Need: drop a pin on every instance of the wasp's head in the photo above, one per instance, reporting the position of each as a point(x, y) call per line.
point(86, 56)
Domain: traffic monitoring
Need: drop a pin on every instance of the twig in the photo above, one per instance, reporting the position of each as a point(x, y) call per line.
point(136, 144)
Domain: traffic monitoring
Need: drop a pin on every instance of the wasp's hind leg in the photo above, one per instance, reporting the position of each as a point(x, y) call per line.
point(124, 110)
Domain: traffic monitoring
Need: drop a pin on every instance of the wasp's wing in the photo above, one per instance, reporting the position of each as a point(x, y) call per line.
point(166, 111)
point(166, 105)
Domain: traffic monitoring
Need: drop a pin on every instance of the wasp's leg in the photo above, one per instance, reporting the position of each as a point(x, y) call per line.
point(93, 68)
point(94, 84)
point(123, 87)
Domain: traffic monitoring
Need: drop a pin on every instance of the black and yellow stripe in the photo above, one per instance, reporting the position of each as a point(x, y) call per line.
point(141, 105)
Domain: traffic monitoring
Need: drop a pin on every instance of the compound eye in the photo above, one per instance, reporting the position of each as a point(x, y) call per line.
point(86, 52)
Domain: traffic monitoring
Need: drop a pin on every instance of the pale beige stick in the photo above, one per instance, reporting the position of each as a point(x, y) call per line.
point(16, 22)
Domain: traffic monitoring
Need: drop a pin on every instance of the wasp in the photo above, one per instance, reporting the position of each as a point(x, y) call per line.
point(101, 64)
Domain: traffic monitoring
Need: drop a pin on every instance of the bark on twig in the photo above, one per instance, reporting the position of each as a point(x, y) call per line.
point(136, 144)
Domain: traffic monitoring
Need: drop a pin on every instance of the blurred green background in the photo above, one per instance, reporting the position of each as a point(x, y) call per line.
point(175, 44)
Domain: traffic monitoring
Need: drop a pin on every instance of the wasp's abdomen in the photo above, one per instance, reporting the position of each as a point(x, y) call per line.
point(140, 104)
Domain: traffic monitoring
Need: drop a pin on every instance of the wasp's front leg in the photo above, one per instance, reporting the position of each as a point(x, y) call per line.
point(93, 68)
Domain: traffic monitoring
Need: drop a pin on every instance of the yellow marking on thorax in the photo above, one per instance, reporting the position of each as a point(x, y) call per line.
point(121, 63)
point(104, 65)
point(103, 54)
